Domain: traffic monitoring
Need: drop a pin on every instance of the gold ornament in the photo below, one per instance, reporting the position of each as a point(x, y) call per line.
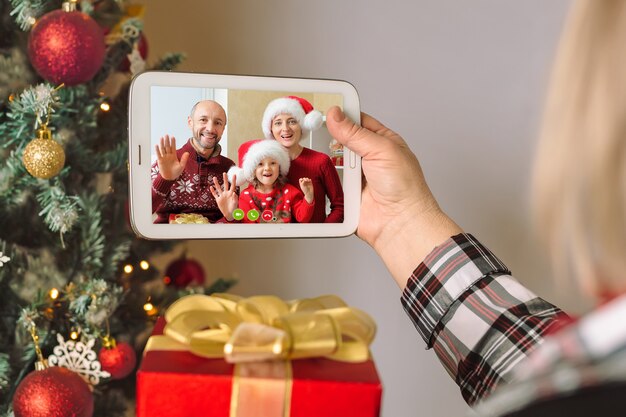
point(43, 156)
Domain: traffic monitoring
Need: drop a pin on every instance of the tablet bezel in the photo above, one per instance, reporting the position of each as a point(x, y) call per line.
point(140, 150)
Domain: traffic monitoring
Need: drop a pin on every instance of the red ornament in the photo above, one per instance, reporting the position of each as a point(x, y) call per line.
point(118, 360)
point(66, 47)
point(53, 392)
point(183, 272)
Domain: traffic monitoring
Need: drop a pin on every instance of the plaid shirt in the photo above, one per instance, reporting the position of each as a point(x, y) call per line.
point(479, 320)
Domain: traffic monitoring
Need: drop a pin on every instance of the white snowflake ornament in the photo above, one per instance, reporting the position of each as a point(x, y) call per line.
point(80, 358)
point(3, 259)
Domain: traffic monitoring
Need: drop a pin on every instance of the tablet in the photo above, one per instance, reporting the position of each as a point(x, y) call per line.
point(229, 156)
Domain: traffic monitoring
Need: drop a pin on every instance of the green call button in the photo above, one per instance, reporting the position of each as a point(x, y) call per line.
point(253, 215)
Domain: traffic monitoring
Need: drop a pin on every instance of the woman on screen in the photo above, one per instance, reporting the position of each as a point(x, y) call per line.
point(284, 120)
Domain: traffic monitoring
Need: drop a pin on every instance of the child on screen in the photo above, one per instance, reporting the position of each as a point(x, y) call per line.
point(268, 197)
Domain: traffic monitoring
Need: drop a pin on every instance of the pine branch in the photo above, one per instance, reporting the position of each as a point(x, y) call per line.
point(220, 285)
point(58, 210)
point(90, 240)
point(92, 302)
point(15, 73)
point(86, 7)
point(26, 113)
point(77, 110)
point(27, 11)
point(14, 181)
point(40, 273)
point(116, 251)
point(169, 61)
point(89, 160)
point(5, 371)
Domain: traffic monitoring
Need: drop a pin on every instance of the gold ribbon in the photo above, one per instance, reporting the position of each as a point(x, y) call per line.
point(265, 328)
point(190, 218)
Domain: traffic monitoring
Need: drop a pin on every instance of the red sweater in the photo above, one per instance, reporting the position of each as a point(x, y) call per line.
point(284, 204)
point(326, 182)
point(189, 193)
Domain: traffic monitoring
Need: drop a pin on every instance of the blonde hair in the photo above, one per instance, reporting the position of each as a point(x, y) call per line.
point(580, 173)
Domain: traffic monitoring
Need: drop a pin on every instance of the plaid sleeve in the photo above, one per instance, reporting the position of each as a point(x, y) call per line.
point(478, 319)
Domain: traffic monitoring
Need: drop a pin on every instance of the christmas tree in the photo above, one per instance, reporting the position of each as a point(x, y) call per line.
point(70, 265)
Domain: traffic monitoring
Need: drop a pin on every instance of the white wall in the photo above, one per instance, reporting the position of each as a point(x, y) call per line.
point(170, 107)
point(462, 81)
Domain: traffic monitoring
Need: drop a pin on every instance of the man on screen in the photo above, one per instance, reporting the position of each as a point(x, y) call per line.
point(182, 178)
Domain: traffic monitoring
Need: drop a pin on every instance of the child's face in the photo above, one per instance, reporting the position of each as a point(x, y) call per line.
point(267, 171)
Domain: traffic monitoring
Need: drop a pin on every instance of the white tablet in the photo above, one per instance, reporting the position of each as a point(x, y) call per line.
point(226, 156)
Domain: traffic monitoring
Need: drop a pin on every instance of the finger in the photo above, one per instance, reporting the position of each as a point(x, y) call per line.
point(157, 150)
point(171, 144)
point(359, 139)
point(227, 185)
point(217, 184)
point(213, 192)
point(163, 145)
point(184, 159)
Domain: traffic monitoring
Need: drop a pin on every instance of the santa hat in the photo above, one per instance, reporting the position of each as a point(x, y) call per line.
point(253, 152)
point(301, 109)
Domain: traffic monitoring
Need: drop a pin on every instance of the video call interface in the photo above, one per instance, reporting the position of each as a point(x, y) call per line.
point(243, 157)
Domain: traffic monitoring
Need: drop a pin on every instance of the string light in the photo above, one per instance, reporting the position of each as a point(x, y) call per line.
point(54, 294)
point(144, 265)
point(128, 268)
point(149, 308)
point(104, 106)
point(167, 280)
point(74, 335)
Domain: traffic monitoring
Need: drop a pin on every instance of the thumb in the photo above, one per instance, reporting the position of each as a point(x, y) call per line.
point(357, 138)
point(184, 159)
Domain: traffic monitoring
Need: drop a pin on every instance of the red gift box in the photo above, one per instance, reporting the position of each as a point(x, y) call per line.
point(181, 384)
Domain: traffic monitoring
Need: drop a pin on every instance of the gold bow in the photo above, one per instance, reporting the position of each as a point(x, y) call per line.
point(264, 328)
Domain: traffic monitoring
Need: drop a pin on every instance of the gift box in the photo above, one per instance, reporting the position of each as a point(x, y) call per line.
point(187, 218)
point(175, 382)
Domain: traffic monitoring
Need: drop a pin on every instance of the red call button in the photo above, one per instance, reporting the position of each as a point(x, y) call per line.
point(267, 215)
